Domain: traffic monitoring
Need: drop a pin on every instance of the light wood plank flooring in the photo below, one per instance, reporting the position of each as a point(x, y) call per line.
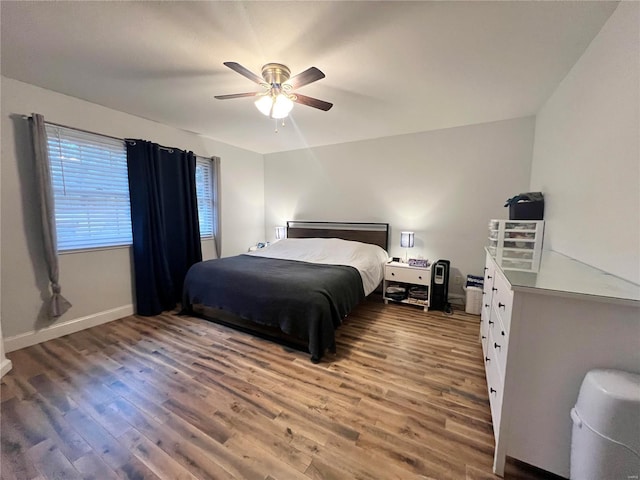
point(171, 397)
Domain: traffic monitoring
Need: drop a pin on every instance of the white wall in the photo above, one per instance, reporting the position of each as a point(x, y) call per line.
point(445, 185)
point(587, 156)
point(5, 364)
point(98, 283)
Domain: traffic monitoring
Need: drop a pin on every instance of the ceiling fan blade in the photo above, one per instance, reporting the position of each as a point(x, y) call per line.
point(236, 67)
point(235, 95)
point(310, 75)
point(312, 102)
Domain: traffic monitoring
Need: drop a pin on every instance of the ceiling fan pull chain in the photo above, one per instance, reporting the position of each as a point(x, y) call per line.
point(277, 124)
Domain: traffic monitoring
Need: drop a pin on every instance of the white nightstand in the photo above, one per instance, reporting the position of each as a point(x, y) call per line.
point(406, 276)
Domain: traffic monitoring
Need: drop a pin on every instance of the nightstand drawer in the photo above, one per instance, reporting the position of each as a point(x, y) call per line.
point(414, 275)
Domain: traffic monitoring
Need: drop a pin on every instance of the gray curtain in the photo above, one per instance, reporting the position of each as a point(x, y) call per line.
point(215, 166)
point(56, 304)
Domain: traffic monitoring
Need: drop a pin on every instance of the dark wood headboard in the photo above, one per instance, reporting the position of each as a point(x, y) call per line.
point(374, 233)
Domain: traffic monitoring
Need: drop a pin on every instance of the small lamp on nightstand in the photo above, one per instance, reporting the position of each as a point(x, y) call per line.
point(406, 241)
point(281, 233)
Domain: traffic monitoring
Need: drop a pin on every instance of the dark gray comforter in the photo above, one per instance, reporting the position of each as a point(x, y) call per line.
point(306, 300)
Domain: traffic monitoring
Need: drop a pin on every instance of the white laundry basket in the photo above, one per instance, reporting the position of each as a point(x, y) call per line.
point(605, 441)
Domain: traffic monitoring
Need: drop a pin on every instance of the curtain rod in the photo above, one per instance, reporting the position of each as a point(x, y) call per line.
point(26, 117)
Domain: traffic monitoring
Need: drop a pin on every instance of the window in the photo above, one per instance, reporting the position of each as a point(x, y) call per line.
point(91, 189)
point(204, 192)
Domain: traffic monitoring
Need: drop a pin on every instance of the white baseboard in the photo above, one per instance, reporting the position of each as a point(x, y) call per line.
point(65, 328)
point(5, 366)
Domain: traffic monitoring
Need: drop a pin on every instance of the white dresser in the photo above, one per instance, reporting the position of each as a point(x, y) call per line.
point(541, 333)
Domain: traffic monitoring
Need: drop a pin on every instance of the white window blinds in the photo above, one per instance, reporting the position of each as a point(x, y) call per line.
point(91, 189)
point(204, 192)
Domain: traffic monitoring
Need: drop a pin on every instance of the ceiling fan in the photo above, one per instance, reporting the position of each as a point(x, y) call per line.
point(277, 98)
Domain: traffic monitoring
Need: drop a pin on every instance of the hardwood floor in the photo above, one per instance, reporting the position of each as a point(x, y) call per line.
point(171, 397)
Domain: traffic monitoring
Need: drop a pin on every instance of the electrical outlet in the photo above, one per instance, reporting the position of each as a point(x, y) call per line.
point(457, 280)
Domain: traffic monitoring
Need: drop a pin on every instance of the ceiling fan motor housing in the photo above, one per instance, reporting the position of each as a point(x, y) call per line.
point(275, 73)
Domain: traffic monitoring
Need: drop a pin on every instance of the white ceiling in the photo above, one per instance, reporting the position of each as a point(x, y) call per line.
point(391, 67)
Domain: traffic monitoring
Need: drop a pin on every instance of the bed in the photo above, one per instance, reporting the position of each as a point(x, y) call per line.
point(297, 290)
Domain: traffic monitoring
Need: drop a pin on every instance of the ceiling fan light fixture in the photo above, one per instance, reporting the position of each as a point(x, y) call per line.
point(264, 103)
point(274, 106)
point(282, 106)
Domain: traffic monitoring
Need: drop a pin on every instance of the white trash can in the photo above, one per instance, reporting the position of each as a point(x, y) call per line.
point(473, 303)
point(605, 441)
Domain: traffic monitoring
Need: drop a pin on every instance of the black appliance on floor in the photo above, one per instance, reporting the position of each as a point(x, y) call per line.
point(440, 285)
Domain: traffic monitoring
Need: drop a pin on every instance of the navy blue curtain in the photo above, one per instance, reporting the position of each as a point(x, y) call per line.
point(164, 217)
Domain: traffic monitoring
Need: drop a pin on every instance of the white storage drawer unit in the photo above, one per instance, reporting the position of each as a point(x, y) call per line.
point(541, 333)
point(516, 244)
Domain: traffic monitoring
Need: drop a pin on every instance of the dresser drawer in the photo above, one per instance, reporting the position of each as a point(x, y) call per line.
point(415, 275)
point(494, 388)
point(502, 300)
point(485, 313)
point(489, 275)
point(497, 343)
point(484, 334)
point(489, 268)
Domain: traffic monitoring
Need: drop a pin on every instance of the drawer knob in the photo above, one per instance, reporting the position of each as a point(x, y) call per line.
point(492, 390)
point(484, 337)
point(419, 277)
point(486, 268)
point(494, 289)
point(489, 277)
point(487, 359)
point(491, 322)
point(486, 305)
point(500, 305)
point(502, 333)
point(393, 274)
point(495, 345)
